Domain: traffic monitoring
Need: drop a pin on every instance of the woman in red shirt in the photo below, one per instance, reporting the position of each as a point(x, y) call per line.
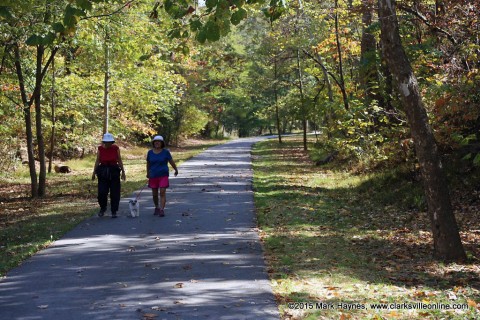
point(108, 166)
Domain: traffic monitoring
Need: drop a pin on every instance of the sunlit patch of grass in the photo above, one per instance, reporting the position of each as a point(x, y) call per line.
point(23, 235)
point(85, 163)
point(21, 175)
point(335, 237)
point(135, 152)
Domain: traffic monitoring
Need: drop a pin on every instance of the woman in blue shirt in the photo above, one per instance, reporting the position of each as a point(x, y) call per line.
point(158, 159)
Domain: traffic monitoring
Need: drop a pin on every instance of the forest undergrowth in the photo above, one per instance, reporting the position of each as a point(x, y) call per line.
point(337, 240)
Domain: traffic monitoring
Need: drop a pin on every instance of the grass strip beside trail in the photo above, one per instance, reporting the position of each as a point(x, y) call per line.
point(28, 225)
point(336, 241)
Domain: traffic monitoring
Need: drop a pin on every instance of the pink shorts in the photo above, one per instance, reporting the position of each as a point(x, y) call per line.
point(159, 182)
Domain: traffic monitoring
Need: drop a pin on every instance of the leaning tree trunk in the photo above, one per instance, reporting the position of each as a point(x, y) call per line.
point(447, 243)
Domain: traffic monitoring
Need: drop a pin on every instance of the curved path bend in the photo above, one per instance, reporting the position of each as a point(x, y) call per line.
point(203, 260)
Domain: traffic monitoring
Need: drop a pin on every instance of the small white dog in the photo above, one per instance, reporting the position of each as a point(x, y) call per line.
point(134, 206)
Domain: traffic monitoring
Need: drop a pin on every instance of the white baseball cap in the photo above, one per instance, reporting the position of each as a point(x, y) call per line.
point(157, 138)
point(108, 137)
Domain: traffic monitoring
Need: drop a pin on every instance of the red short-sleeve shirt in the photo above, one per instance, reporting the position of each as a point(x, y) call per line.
point(108, 156)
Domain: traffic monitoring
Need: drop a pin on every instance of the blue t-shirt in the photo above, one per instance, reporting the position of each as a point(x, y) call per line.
point(158, 163)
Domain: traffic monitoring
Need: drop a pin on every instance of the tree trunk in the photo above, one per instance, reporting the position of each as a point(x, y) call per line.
point(369, 77)
point(302, 106)
point(329, 114)
point(340, 60)
point(53, 119)
point(387, 89)
point(447, 243)
point(106, 89)
point(42, 176)
point(275, 90)
point(28, 125)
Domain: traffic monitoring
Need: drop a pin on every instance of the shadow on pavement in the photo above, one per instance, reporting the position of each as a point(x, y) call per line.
point(202, 260)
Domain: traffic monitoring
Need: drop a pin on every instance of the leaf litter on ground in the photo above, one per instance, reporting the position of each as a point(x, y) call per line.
point(328, 238)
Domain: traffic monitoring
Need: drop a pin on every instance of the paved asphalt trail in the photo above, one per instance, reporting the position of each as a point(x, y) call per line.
point(203, 260)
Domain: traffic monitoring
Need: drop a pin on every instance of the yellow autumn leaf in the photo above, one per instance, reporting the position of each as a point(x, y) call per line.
point(472, 303)
point(419, 294)
point(394, 314)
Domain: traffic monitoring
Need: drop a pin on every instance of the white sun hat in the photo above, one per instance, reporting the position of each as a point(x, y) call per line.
point(108, 137)
point(157, 138)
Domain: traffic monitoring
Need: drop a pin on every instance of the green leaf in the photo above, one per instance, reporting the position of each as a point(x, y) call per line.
point(58, 27)
point(34, 40)
point(213, 31)
point(238, 16)
point(72, 16)
point(195, 25)
point(186, 50)
point(224, 26)
point(211, 3)
point(168, 4)
point(266, 12)
point(275, 10)
point(178, 12)
point(202, 36)
point(277, 13)
point(70, 20)
point(145, 57)
point(5, 13)
point(175, 10)
point(175, 33)
point(239, 3)
point(476, 160)
point(48, 39)
point(84, 4)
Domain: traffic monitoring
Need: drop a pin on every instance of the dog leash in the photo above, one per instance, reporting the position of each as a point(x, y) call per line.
point(138, 195)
